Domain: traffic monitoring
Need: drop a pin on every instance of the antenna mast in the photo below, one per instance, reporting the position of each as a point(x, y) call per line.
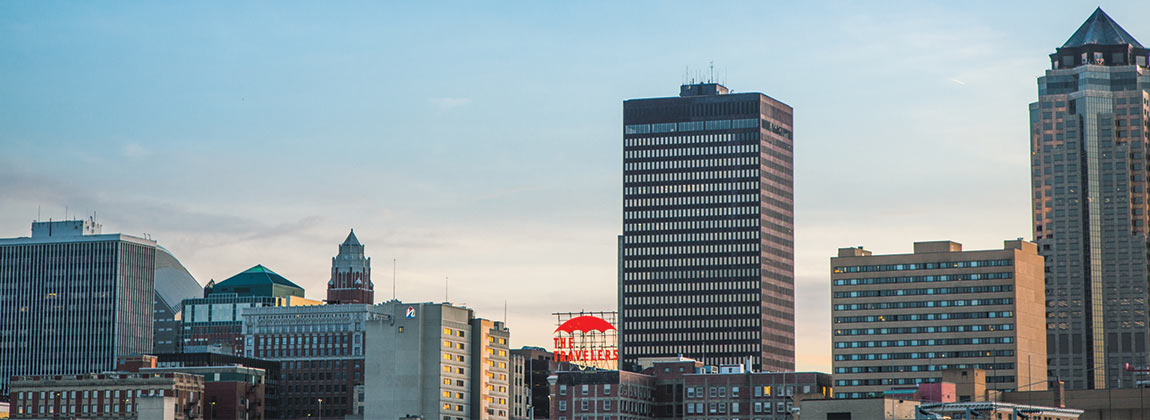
point(394, 277)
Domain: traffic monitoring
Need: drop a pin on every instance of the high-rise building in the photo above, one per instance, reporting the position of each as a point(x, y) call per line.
point(706, 256)
point(72, 299)
point(899, 320)
point(350, 274)
point(1090, 193)
point(321, 353)
point(437, 361)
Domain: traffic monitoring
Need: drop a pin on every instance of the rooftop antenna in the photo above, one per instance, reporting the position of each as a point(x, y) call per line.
point(37, 212)
point(445, 284)
point(504, 311)
point(394, 277)
point(712, 79)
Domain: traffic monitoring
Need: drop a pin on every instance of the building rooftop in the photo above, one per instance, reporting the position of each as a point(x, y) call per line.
point(1100, 29)
point(351, 239)
point(254, 277)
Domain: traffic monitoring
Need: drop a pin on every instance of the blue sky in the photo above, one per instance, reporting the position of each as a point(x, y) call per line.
point(482, 142)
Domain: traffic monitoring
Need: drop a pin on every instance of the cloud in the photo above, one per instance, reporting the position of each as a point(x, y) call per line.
point(957, 82)
point(445, 103)
point(134, 150)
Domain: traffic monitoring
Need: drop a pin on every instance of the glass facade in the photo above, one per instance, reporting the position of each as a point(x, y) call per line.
point(1089, 186)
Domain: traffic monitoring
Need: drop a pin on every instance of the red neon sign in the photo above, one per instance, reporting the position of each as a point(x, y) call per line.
point(571, 341)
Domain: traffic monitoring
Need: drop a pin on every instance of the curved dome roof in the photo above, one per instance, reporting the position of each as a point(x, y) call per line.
point(255, 277)
point(173, 282)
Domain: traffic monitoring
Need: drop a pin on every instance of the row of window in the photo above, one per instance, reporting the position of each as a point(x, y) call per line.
point(702, 166)
point(926, 291)
point(696, 212)
point(679, 177)
point(922, 304)
point(691, 225)
point(723, 187)
point(924, 317)
point(927, 342)
point(922, 368)
point(679, 152)
point(692, 237)
point(924, 266)
point(691, 126)
point(924, 355)
point(721, 248)
point(924, 330)
point(706, 273)
point(690, 262)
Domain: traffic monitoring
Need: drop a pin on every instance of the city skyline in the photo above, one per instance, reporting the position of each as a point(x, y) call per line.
point(472, 152)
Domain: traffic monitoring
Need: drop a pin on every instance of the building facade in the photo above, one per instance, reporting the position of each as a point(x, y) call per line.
point(271, 377)
point(437, 361)
point(536, 367)
point(601, 395)
point(707, 251)
point(350, 275)
point(1089, 178)
point(112, 395)
point(72, 300)
point(230, 392)
point(901, 319)
point(320, 349)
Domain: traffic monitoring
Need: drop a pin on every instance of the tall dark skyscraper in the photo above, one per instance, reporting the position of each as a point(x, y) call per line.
point(1089, 171)
point(706, 256)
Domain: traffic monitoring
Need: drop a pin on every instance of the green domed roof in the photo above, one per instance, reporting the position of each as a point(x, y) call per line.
point(258, 281)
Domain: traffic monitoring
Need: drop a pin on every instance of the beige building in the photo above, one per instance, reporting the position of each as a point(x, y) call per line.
point(901, 319)
point(859, 408)
point(436, 361)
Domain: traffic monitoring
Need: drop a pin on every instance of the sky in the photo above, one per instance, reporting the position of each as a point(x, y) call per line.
point(479, 146)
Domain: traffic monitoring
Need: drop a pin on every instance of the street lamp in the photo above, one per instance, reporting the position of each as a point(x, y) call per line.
point(212, 410)
point(320, 407)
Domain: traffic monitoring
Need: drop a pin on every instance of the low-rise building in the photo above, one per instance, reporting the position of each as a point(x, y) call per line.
point(271, 376)
point(108, 395)
point(230, 392)
point(601, 394)
point(880, 408)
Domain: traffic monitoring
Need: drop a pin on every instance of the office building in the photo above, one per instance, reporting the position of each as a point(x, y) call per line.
point(520, 392)
point(707, 251)
point(214, 322)
point(437, 361)
point(350, 275)
point(321, 352)
point(1089, 188)
point(72, 299)
point(901, 319)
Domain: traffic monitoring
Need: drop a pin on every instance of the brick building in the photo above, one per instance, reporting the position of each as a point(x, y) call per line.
point(321, 352)
point(108, 395)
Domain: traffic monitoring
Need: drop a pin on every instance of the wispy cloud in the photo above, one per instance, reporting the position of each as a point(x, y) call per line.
point(446, 103)
point(134, 150)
